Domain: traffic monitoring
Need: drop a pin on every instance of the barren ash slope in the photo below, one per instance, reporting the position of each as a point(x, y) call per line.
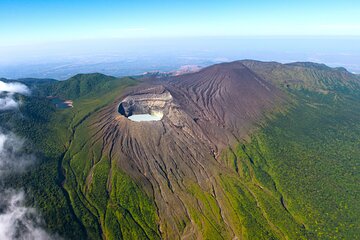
point(177, 160)
point(242, 151)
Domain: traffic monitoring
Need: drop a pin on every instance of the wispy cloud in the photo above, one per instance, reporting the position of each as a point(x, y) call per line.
point(8, 102)
point(14, 87)
point(18, 221)
point(7, 91)
point(12, 158)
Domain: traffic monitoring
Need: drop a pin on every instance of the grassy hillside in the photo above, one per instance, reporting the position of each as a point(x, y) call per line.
point(80, 85)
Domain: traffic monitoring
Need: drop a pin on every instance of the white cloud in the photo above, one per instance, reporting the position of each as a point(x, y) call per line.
point(12, 158)
point(14, 88)
point(18, 221)
point(7, 101)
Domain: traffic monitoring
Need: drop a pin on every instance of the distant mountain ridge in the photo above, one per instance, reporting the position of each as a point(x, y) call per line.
point(305, 74)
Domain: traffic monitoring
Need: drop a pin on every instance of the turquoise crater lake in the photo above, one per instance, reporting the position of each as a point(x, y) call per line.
point(146, 117)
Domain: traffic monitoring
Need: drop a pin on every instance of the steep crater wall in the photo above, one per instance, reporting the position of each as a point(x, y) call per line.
point(149, 101)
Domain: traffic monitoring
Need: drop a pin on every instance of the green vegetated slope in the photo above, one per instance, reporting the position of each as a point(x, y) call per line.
point(49, 132)
point(312, 153)
point(41, 181)
point(82, 86)
point(311, 158)
point(108, 202)
point(296, 178)
point(90, 93)
point(105, 199)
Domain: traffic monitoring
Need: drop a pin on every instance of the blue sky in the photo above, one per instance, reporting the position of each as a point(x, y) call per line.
point(27, 22)
point(59, 38)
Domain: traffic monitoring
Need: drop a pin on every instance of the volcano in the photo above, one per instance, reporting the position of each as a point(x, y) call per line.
point(202, 113)
point(240, 150)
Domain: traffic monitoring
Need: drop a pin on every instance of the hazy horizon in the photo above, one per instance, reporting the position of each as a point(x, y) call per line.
point(120, 57)
point(58, 39)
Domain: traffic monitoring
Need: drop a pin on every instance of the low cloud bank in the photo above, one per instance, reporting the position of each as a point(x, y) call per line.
point(16, 220)
point(7, 91)
point(8, 102)
point(14, 87)
point(13, 159)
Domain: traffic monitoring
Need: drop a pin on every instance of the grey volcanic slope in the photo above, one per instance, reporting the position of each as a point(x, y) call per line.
point(227, 99)
point(203, 113)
